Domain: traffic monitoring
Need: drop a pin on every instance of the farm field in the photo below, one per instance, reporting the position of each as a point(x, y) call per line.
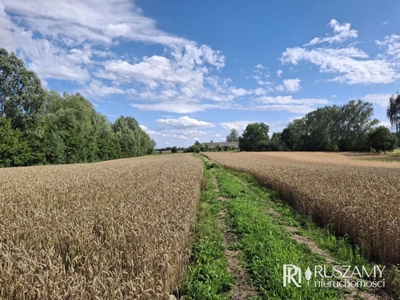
point(358, 199)
point(244, 236)
point(111, 230)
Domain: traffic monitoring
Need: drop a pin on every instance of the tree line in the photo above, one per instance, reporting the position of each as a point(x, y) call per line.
point(43, 127)
point(350, 127)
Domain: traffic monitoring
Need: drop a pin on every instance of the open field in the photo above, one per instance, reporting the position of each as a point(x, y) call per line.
point(110, 230)
point(359, 199)
point(246, 230)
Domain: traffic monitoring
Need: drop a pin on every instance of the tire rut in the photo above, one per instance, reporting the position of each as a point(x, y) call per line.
point(242, 288)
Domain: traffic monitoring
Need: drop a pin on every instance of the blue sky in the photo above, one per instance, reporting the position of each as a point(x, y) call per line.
point(190, 70)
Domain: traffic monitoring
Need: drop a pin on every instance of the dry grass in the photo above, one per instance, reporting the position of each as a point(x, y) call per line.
point(111, 230)
point(360, 199)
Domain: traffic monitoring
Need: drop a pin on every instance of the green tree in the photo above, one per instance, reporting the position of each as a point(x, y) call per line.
point(132, 139)
point(393, 111)
point(21, 92)
point(152, 146)
point(233, 136)
point(255, 137)
point(321, 129)
point(294, 136)
point(332, 128)
point(174, 149)
point(75, 120)
point(381, 139)
point(355, 121)
point(13, 151)
point(40, 127)
point(276, 143)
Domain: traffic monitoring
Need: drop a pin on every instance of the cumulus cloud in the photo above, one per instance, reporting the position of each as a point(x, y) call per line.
point(297, 108)
point(392, 45)
point(75, 41)
point(176, 136)
point(341, 32)
point(90, 20)
point(177, 107)
point(148, 131)
point(238, 125)
point(279, 73)
point(379, 99)
point(290, 85)
point(185, 122)
point(350, 63)
point(284, 100)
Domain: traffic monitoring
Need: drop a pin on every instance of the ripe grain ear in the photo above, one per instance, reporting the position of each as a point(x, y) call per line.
point(357, 199)
point(112, 230)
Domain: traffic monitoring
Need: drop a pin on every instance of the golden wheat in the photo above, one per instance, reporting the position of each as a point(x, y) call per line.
point(360, 199)
point(110, 230)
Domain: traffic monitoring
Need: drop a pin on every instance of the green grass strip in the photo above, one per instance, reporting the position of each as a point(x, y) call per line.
point(340, 249)
point(266, 247)
point(207, 277)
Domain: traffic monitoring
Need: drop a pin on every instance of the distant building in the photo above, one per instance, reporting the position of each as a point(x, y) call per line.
point(212, 146)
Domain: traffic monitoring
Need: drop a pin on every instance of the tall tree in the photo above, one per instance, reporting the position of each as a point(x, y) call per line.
point(132, 139)
point(233, 136)
point(255, 137)
point(21, 92)
point(294, 136)
point(355, 121)
point(393, 111)
point(321, 127)
point(40, 127)
point(332, 128)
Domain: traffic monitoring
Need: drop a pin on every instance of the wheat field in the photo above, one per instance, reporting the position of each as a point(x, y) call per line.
point(109, 230)
point(356, 198)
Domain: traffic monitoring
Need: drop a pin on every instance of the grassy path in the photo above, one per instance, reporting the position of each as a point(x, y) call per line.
point(253, 235)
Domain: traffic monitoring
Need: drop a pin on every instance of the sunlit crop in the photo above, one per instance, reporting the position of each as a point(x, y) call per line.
point(358, 199)
point(110, 230)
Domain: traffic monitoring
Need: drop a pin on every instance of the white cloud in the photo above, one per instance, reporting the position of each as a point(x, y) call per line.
point(290, 85)
point(238, 125)
point(259, 91)
point(147, 130)
point(292, 108)
point(155, 68)
point(74, 40)
point(290, 100)
point(346, 62)
point(239, 92)
point(97, 89)
point(185, 122)
point(279, 73)
point(386, 124)
point(350, 64)
point(176, 107)
point(177, 137)
point(341, 33)
point(392, 43)
point(380, 99)
point(90, 20)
